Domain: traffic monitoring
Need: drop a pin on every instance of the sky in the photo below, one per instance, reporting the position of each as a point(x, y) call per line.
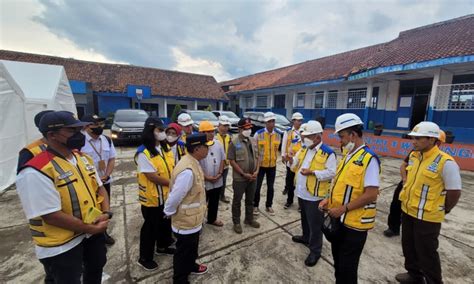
point(225, 39)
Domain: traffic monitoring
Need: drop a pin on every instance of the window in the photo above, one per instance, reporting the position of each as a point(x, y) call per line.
point(375, 97)
point(248, 102)
point(261, 101)
point(461, 99)
point(300, 100)
point(318, 99)
point(356, 98)
point(279, 101)
point(332, 99)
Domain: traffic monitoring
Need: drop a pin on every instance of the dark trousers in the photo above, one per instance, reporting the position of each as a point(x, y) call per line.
point(240, 188)
point(420, 245)
point(155, 231)
point(107, 188)
point(212, 197)
point(346, 251)
point(184, 260)
point(270, 173)
point(86, 259)
point(224, 177)
point(311, 222)
point(395, 215)
point(290, 185)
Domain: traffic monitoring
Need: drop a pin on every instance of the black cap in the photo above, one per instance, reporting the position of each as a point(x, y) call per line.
point(154, 121)
point(94, 118)
point(197, 139)
point(39, 115)
point(244, 123)
point(58, 119)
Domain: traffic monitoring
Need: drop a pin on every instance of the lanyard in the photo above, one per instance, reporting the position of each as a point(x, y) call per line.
point(95, 149)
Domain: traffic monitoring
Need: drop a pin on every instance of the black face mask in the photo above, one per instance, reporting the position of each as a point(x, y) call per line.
point(76, 141)
point(97, 130)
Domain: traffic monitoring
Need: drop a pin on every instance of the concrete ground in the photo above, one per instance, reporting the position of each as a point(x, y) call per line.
point(258, 255)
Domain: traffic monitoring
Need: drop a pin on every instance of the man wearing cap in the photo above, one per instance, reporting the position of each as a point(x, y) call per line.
point(102, 151)
point(268, 141)
point(291, 144)
point(34, 148)
point(186, 123)
point(213, 168)
point(186, 205)
point(173, 133)
point(352, 199)
point(224, 138)
point(59, 189)
point(243, 157)
point(432, 189)
point(315, 166)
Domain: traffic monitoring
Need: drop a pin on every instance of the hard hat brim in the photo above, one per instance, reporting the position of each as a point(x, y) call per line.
point(190, 122)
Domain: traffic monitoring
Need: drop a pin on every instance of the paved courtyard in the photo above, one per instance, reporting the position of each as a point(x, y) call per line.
point(265, 255)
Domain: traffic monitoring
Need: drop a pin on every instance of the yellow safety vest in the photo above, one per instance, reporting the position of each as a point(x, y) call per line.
point(268, 144)
point(36, 147)
point(423, 195)
point(180, 150)
point(151, 194)
point(313, 185)
point(349, 185)
point(293, 143)
point(225, 140)
point(77, 187)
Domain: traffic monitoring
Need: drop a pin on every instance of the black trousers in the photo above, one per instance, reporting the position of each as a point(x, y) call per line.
point(270, 173)
point(420, 248)
point(155, 232)
point(107, 188)
point(184, 260)
point(212, 197)
point(311, 222)
point(290, 185)
point(224, 177)
point(395, 215)
point(86, 259)
point(346, 251)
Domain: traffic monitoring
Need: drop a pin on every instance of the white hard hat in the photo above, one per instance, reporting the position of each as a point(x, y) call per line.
point(426, 129)
point(268, 116)
point(312, 127)
point(224, 120)
point(297, 115)
point(184, 119)
point(347, 120)
point(303, 127)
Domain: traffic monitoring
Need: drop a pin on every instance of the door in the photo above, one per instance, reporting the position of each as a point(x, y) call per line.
point(420, 103)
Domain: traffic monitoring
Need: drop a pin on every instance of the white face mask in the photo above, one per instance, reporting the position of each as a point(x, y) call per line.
point(349, 147)
point(308, 142)
point(160, 136)
point(247, 133)
point(171, 139)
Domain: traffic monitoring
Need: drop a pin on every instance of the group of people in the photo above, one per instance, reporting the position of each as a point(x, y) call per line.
point(64, 186)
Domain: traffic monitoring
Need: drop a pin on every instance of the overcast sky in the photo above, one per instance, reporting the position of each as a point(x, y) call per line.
point(226, 39)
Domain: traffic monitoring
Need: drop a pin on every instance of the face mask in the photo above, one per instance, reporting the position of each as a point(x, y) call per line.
point(307, 142)
point(160, 136)
point(76, 141)
point(349, 146)
point(247, 133)
point(97, 130)
point(171, 139)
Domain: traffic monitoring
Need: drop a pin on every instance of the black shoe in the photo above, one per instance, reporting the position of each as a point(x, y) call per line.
point(287, 205)
point(108, 239)
point(299, 239)
point(390, 233)
point(168, 250)
point(407, 278)
point(148, 265)
point(311, 260)
point(285, 191)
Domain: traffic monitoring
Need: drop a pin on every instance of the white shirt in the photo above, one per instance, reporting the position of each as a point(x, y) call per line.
point(285, 139)
point(211, 164)
point(181, 187)
point(39, 197)
point(451, 176)
point(144, 164)
point(372, 174)
point(174, 149)
point(105, 149)
point(327, 174)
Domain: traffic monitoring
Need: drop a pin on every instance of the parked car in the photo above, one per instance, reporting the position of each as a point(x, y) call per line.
point(233, 118)
point(281, 122)
point(200, 115)
point(128, 125)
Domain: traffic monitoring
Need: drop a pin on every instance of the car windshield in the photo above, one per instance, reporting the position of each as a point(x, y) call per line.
point(202, 115)
point(280, 119)
point(229, 114)
point(131, 116)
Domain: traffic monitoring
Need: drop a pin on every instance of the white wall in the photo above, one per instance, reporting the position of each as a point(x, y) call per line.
point(393, 91)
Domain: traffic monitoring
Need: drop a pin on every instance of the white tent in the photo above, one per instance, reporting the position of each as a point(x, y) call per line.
point(40, 87)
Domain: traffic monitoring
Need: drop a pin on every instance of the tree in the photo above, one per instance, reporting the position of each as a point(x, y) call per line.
point(176, 111)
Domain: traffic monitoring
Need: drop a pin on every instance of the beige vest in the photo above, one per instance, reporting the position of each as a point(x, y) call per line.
point(190, 212)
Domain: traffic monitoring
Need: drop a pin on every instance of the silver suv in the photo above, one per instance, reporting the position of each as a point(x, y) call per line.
point(128, 125)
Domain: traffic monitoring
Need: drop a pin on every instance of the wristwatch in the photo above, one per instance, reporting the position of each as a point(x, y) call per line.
point(108, 213)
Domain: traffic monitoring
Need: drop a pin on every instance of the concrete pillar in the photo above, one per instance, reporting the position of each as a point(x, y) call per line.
point(368, 99)
point(221, 106)
point(441, 77)
point(342, 97)
point(195, 105)
point(165, 107)
point(393, 91)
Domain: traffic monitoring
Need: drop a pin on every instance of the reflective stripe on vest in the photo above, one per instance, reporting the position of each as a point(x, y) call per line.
point(76, 208)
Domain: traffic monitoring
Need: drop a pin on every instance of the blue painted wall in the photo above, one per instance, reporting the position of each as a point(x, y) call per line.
point(459, 122)
point(78, 87)
point(110, 102)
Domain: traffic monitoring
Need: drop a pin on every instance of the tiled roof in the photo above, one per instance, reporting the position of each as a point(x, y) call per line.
point(440, 40)
point(116, 77)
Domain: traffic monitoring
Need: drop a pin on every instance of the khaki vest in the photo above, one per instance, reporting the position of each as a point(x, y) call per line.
point(190, 213)
point(242, 157)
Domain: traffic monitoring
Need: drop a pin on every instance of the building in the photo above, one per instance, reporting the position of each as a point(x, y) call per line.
point(103, 88)
point(426, 73)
